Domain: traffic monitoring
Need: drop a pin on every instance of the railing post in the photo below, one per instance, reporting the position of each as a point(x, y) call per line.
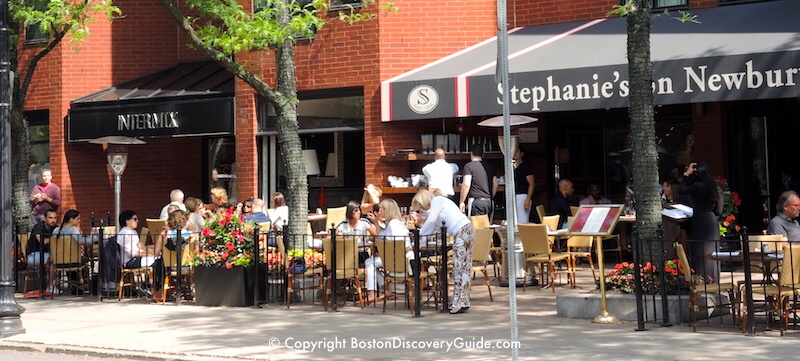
point(256, 257)
point(637, 282)
point(748, 283)
point(16, 254)
point(178, 266)
point(100, 247)
point(333, 301)
point(662, 264)
point(443, 272)
point(416, 269)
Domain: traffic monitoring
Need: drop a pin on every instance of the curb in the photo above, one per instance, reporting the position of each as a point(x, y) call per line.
point(34, 347)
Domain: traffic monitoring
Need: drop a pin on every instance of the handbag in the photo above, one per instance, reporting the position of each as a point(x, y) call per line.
point(298, 266)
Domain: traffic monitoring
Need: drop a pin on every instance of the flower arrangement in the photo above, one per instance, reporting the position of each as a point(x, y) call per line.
point(730, 209)
point(224, 243)
point(621, 278)
point(311, 257)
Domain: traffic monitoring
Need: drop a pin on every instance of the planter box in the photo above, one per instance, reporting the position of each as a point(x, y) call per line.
point(219, 286)
point(587, 305)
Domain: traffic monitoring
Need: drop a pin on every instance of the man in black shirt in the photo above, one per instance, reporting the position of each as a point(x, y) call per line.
point(38, 247)
point(523, 186)
point(479, 185)
point(559, 204)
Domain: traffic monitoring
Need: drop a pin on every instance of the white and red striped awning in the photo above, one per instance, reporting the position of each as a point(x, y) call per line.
point(735, 52)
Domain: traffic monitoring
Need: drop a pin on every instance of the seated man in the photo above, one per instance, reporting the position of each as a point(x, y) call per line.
point(785, 222)
point(38, 247)
point(595, 196)
point(135, 257)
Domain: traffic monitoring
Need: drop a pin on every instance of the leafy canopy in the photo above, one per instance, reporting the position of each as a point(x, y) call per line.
point(226, 26)
point(56, 17)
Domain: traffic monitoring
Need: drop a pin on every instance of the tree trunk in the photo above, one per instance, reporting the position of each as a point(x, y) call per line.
point(20, 161)
point(645, 157)
point(286, 111)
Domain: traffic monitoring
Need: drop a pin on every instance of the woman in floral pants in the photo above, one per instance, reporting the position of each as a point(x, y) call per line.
point(441, 209)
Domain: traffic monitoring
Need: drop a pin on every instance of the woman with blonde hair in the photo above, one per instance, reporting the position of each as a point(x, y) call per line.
point(441, 209)
point(395, 229)
point(219, 196)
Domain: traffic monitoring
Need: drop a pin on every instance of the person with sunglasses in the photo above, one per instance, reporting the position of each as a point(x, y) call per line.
point(785, 222)
point(134, 257)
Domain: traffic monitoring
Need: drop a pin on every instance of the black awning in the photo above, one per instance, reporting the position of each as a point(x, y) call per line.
point(193, 99)
point(736, 52)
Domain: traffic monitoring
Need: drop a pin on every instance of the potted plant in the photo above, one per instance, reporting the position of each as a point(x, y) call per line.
point(224, 266)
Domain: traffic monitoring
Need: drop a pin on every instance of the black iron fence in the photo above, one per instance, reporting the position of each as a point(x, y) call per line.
point(751, 282)
point(332, 269)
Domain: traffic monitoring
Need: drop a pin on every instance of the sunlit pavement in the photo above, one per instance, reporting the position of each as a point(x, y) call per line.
point(140, 329)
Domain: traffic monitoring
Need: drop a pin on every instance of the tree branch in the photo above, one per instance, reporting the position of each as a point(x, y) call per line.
point(223, 59)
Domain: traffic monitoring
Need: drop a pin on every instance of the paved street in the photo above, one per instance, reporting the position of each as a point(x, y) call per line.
point(139, 329)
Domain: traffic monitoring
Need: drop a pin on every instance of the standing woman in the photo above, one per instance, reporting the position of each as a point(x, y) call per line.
point(699, 184)
point(441, 209)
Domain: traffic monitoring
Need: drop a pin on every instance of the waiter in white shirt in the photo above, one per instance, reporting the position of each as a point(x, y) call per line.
point(440, 175)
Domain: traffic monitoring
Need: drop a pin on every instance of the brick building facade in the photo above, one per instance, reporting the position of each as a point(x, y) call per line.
point(145, 40)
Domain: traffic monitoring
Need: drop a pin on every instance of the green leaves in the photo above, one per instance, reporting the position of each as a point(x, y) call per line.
point(61, 16)
point(229, 28)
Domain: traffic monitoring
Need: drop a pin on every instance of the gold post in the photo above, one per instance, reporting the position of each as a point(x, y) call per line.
point(604, 316)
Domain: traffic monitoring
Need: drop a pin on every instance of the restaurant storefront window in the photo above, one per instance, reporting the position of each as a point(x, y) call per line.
point(331, 131)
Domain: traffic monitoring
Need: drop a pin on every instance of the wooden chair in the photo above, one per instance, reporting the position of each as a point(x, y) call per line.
point(782, 294)
point(537, 249)
point(393, 256)
point(580, 247)
point(552, 223)
point(138, 275)
point(66, 256)
point(335, 216)
point(316, 273)
point(482, 222)
point(696, 289)
point(480, 255)
point(540, 212)
point(31, 270)
point(174, 269)
point(346, 266)
point(775, 244)
point(574, 210)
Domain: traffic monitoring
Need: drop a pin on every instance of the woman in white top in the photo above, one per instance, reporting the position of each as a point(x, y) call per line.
point(280, 211)
point(395, 229)
point(70, 227)
point(441, 209)
point(354, 225)
point(197, 214)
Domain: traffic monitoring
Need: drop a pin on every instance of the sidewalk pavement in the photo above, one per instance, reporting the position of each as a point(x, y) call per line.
point(143, 330)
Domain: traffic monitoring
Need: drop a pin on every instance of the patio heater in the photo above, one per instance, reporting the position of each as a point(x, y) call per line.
point(116, 148)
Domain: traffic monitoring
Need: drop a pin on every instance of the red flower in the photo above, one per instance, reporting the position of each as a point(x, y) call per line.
point(736, 200)
point(228, 265)
point(206, 232)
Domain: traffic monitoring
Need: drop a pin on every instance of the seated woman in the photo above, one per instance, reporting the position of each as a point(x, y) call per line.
point(354, 225)
point(197, 214)
point(134, 257)
point(177, 221)
point(395, 229)
point(280, 210)
point(70, 227)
